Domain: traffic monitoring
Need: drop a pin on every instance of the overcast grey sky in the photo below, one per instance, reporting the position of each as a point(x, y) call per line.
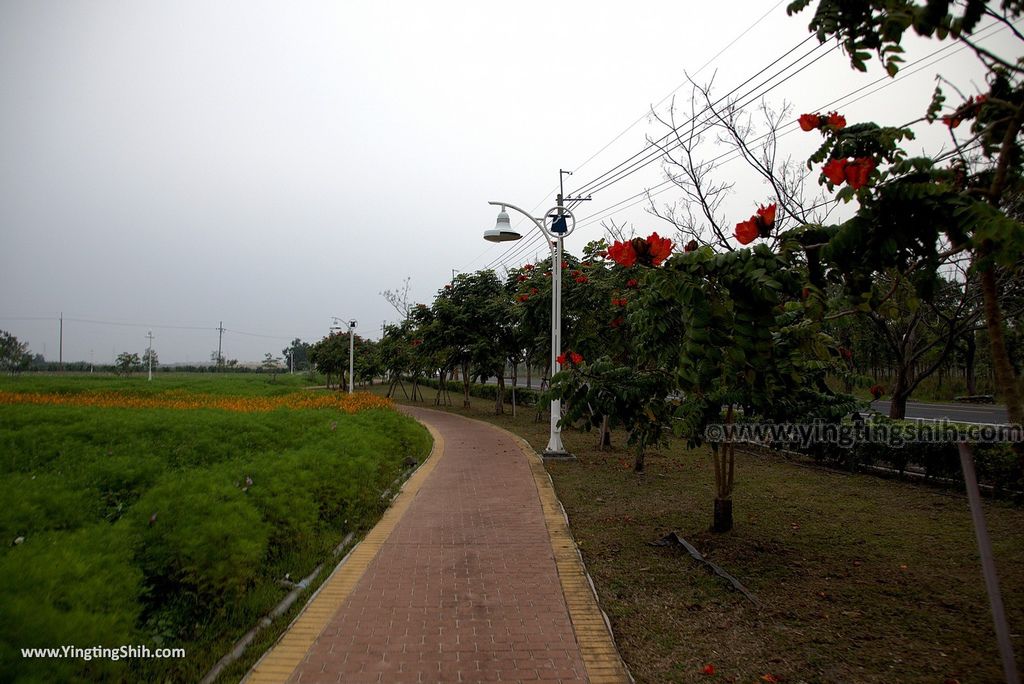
point(273, 164)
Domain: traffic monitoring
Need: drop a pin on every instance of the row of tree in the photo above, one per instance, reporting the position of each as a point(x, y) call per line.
point(665, 337)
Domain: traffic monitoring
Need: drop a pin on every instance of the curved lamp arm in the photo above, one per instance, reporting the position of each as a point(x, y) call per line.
point(539, 225)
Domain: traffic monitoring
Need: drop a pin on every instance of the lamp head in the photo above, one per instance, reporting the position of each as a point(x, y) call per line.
point(502, 231)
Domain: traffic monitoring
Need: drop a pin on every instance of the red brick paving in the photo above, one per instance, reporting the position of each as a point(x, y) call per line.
point(465, 589)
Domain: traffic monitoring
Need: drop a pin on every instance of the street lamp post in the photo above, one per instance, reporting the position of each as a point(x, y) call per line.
point(149, 353)
point(562, 224)
point(351, 354)
point(351, 348)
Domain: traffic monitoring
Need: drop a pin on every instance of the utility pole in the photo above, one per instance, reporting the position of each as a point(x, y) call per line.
point(220, 338)
point(149, 353)
point(60, 348)
point(351, 354)
point(92, 363)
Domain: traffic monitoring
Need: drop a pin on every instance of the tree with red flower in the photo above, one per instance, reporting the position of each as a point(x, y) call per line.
point(649, 251)
point(758, 225)
point(622, 253)
point(831, 121)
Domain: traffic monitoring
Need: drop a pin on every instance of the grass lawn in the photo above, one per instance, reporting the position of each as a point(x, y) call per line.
point(862, 579)
point(173, 527)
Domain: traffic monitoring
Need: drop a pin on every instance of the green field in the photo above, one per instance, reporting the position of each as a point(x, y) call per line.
point(173, 527)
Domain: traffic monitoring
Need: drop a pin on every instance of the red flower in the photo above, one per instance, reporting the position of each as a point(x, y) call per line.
point(417, 343)
point(616, 322)
point(691, 246)
point(845, 353)
point(809, 122)
point(534, 290)
point(582, 279)
point(857, 171)
point(575, 273)
point(968, 110)
point(565, 264)
point(528, 267)
point(765, 219)
point(522, 279)
point(632, 282)
point(622, 253)
point(709, 669)
point(618, 301)
point(746, 231)
point(659, 248)
point(836, 120)
point(805, 293)
point(522, 298)
point(834, 171)
point(877, 391)
point(603, 253)
point(575, 358)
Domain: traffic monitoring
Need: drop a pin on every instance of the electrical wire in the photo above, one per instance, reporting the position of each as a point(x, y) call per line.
point(844, 100)
point(590, 186)
point(536, 240)
point(509, 257)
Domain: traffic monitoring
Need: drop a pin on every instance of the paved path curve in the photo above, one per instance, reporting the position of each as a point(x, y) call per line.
point(470, 577)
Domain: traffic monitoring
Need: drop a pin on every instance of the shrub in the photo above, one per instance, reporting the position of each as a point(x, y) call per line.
point(205, 542)
point(61, 588)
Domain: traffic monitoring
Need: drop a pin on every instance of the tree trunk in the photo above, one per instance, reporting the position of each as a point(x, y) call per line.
point(604, 437)
point(499, 402)
point(969, 361)
point(1006, 378)
point(900, 394)
point(465, 385)
point(723, 515)
point(515, 379)
point(638, 462)
point(529, 375)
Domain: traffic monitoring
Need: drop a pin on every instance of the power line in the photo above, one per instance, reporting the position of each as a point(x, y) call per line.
point(657, 152)
point(535, 240)
point(904, 73)
point(588, 187)
point(676, 89)
point(741, 101)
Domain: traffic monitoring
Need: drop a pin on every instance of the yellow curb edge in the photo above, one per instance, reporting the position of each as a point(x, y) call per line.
point(600, 655)
point(292, 646)
point(598, 650)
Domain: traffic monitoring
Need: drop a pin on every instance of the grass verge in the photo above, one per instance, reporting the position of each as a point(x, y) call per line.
point(863, 579)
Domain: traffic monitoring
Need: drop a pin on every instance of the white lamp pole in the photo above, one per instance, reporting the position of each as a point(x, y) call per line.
point(503, 233)
point(351, 354)
point(149, 353)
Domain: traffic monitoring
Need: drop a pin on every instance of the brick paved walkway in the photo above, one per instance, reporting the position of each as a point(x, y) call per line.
point(465, 588)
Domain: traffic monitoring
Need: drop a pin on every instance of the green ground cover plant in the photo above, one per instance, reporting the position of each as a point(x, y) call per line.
point(173, 528)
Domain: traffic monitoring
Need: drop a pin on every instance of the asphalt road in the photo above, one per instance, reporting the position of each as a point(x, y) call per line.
point(961, 413)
